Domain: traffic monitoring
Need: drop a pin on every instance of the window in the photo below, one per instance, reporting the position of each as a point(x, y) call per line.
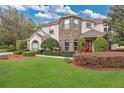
point(75, 45)
point(88, 25)
point(76, 23)
point(51, 31)
point(66, 24)
point(106, 27)
point(66, 45)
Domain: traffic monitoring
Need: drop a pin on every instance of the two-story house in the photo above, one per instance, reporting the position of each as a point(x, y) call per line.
point(67, 30)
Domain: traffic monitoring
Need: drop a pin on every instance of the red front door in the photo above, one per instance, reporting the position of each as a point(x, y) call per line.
point(89, 45)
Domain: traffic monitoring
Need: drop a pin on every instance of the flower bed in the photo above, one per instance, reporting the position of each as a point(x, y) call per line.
point(100, 60)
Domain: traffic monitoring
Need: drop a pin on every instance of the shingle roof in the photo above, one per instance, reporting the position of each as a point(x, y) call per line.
point(93, 33)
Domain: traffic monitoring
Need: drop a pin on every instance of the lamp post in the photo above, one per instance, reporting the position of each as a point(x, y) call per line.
point(110, 43)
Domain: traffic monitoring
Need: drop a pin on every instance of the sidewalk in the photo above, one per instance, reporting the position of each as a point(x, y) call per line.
point(53, 56)
point(7, 53)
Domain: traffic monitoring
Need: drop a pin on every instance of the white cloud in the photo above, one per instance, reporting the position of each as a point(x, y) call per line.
point(47, 15)
point(39, 7)
point(62, 9)
point(93, 15)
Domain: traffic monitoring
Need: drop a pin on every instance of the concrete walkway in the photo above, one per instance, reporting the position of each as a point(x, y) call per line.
point(53, 56)
point(7, 53)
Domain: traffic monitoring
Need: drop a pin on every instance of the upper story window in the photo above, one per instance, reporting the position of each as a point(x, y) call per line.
point(66, 24)
point(76, 23)
point(51, 31)
point(88, 25)
point(106, 27)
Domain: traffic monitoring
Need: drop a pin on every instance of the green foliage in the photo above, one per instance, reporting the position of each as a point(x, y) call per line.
point(68, 53)
point(3, 47)
point(14, 26)
point(11, 48)
point(21, 44)
point(116, 17)
point(51, 53)
point(80, 44)
point(121, 43)
point(28, 53)
point(49, 43)
point(18, 52)
point(100, 44)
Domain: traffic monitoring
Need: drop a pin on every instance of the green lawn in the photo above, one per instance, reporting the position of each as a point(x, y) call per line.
point(51, 72)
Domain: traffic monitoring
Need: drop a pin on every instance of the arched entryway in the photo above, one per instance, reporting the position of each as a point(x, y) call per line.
point(35, 45)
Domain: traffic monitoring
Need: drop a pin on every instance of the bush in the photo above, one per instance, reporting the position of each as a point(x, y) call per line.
point(18, 52)
point(51, 53)
point(28, 53)
point(121, 43)
point(80, 44)
point(100, 60)
point(3, 47)
point(100, 44)
point(49, 43)
point(21, 44)
point(40, 51)
point(67, 53)
point(11, 48)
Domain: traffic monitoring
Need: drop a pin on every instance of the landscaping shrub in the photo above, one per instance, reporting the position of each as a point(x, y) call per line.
point(100, 44)
point(28, 53)
point(40, 51)
point(18, 52)
point(80, 44)
point(11, 48)
point(67, 53)
point(100, 60)
point(51, 53)
point(121, 43)
point(3, 47)
point(49, 43)
point(21, 44)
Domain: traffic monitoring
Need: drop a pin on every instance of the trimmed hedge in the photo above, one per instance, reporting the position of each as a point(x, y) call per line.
point(59, 53)
point(3, 47)
point(28, 53)
point(21, 44)
point(11, 48)
point(100, 44)
point(50, 43)
point(18, 52)
point(100, 60)
point(68, 53)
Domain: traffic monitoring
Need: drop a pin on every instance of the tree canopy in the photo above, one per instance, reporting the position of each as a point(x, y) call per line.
point(14, 26)
point(116, 21)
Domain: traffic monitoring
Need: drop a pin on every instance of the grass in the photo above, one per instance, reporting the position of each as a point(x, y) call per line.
point(44, 72)
point(3, 50)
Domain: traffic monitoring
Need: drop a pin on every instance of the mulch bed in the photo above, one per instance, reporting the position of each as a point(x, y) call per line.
point(14, 57)
point(99, 55)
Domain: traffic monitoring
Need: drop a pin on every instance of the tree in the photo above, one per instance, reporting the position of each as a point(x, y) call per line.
point(100, 44)
point(50, 43)
point(80, 44)
point(14, 26)
point(116, 21)
point(21, 45)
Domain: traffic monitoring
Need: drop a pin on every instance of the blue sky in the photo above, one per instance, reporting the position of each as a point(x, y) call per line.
point(46, 13)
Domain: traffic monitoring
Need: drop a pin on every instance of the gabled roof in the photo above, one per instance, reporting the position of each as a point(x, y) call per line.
point(93, 33)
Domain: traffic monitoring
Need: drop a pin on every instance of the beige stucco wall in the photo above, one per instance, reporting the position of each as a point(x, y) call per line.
point(56, 31)
point(84, 28)
point(34, 37)
point(99, 27)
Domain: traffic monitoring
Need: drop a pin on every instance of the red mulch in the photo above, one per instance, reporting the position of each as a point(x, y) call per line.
point(98, 69)
point(14, 57)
